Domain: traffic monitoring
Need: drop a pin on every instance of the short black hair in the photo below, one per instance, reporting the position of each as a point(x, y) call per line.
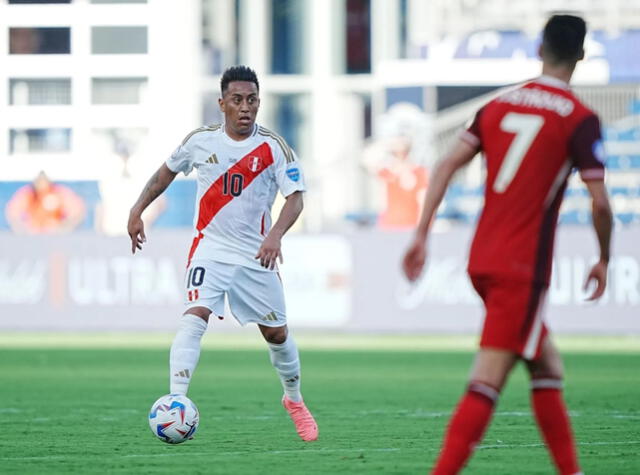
point(563, 38)
point(238, 73)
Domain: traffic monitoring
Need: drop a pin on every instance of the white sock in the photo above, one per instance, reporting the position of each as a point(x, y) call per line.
point(185, 352)
point(285, 360)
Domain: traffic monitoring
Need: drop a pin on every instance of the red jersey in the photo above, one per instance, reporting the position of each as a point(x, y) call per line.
point(532, 137)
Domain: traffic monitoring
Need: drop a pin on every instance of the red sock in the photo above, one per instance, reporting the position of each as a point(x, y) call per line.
point(466, 428)
point(553, 421)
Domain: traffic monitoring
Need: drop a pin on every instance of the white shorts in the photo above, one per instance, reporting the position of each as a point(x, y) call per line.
point(254, 296)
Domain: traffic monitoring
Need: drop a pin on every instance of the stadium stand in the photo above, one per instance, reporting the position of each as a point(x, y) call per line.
point(622, 143)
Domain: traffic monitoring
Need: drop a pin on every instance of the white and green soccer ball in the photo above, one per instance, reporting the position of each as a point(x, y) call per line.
point(174, 418)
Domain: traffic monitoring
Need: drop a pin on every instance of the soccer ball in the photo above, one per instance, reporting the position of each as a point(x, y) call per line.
point(173, 418)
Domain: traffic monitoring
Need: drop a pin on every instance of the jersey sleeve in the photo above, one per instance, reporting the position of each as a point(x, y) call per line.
point(181, 160)
point(471, 134)
point(586, 149)
point(288, 172)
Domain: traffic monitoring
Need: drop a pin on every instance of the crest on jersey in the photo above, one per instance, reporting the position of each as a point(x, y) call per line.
point(293, 174)
point(255, 164)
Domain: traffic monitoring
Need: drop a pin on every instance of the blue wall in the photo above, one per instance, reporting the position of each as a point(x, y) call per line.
point(180, 198)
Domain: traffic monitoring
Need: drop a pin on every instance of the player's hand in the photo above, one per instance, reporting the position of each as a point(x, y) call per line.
point(135, 228)
point(414, 259)
point(269, 252)
point(597, 274)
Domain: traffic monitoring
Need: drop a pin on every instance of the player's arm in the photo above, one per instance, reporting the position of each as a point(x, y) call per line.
point(585, 148)
point(270, 250)
point(602, 219)
point(460, 155)
point(158, 182)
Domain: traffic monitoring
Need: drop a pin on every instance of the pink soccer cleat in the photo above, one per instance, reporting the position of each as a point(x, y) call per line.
point(305, 423)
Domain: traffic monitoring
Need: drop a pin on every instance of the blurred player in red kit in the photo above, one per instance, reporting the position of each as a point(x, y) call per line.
point(531, 137)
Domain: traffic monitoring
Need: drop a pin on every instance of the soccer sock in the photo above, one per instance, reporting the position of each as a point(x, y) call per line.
point(185, 352)
point(466, 427)
point(553, 421)
point(284, 358)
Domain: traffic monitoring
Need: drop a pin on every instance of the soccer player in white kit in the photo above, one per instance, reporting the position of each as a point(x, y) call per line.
point(240, 167)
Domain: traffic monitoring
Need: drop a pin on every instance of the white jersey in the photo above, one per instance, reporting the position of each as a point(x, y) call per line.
point(237, 184)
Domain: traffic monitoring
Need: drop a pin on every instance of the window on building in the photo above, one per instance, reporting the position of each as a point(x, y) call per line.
point(119, 40)
point(221, 41)
point(40, 40)
point(367, 116)
point(237, 37)
point(404, 29)
point(38, 92)
point(118, 90)
point(287, 36)
point(358, 36)
point(290, 120)
point(54, 140)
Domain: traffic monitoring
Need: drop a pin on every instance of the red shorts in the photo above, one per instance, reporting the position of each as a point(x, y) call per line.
point(514, 319)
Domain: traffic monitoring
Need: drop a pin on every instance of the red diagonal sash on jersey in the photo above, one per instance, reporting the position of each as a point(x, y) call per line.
point(213, 200)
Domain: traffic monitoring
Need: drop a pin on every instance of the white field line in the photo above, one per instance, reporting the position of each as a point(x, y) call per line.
point(114, 415)
point(306, 340)
point(174, 453)
point(436, 414)
point(327, 450)
point(580, 444)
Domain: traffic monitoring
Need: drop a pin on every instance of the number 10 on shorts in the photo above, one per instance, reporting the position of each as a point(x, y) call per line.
point(195, 279)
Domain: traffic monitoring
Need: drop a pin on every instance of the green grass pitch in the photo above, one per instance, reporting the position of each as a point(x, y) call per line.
point(83, 410)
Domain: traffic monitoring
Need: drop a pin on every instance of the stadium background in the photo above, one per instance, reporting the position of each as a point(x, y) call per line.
point(85, 327)
point(114, 78)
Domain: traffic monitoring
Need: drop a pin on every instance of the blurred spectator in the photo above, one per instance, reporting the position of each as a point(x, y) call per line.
point(119, 187)
point(405, 184)
point(43, 207)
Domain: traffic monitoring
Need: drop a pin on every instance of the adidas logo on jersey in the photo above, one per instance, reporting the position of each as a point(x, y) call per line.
point(270, 317)
point(212, 159)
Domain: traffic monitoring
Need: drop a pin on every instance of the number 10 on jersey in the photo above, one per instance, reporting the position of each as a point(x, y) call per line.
point(232, 184)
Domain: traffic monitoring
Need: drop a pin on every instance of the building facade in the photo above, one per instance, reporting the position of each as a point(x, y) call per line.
point(83, 81)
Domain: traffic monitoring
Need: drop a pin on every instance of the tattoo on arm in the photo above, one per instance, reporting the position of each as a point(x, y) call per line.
point(154, 188)
point(151, 190)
